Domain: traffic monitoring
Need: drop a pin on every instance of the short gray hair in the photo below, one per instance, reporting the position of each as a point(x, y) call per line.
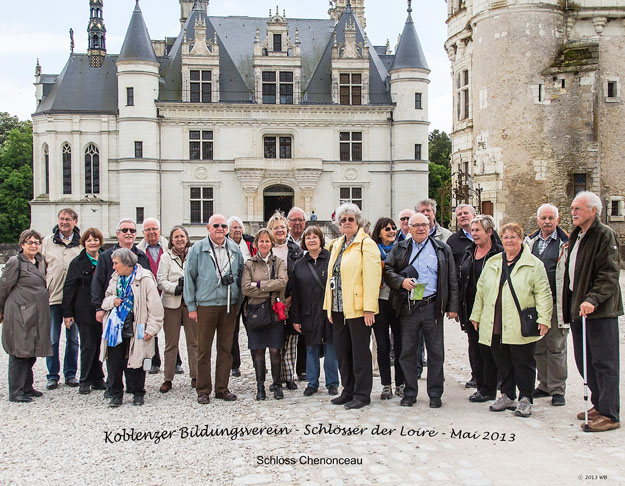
point(547, 206)
point(294, 209)
point(428, 202)
point(125, 220)
point(125, 257)
point(412, 211)
point(233, 219)
point(461, 206)
point(593, 200)
point(350, 208)
point(158, 223)
point(487, 222)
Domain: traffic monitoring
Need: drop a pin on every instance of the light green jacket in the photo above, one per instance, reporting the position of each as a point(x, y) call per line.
point(531, 286)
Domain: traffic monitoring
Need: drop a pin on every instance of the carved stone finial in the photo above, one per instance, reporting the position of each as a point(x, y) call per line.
point(409, 6)
point(71, 40)
point(38, 68)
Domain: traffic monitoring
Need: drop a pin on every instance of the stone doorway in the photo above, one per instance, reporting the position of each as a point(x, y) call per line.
point(277, 197)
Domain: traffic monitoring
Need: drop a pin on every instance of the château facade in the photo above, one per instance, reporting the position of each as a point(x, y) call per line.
point(236, 115)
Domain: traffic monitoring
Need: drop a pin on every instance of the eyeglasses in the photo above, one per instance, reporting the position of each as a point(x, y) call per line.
point(150, 229)
point(405, 218)
point(128, 230)
point(419, 225)
point(66, 219)
point(351, 219)
point(296, 220)
point(217, 225)
point(389, 228)
point(35, 242)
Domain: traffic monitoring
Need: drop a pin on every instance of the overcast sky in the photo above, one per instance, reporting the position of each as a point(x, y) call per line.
point(31, 30)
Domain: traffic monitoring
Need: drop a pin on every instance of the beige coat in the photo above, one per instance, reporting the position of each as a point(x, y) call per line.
point(148, 310)
point(170, 269)
point(57, 259)
point(256, 270)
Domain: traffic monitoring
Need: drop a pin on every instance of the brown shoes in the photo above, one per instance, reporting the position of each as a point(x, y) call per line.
point(226, 395)
point(601, 424)
point(193, 382)
point(165, 387)
point(592, 414)
point(204, 399)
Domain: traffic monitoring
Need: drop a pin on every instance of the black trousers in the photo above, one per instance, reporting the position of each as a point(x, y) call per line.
point(117, 366)
point(90, 364)
point(300, 362)
point(517, 367)
point(20, 375)
point(483, 367)
point(602, 354)
point(236, 351)
point(423, 321)
point(386, 323)
point(351, 343)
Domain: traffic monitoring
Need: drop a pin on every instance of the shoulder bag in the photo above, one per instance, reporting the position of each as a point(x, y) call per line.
point(260, 316)
point(529, 316)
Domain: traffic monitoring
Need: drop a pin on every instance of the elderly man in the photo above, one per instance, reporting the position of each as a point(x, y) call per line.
point(404, 224)
point(297, 224)
point(244, 241)
point(592, 290)
point(212, 292)
point(428, 207)
point(153, 245)
point(549, 245)
point(422, 275)
point(58, 250)
point(461, 239)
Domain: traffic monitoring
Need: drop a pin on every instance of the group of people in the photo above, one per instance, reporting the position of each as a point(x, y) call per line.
point(304, 298)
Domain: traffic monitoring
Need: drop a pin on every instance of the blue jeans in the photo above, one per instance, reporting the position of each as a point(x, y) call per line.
point(330, 365)
point(70, 363)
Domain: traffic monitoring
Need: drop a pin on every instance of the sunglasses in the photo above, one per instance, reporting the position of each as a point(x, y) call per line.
point(389, 228)
point(351, 219)
point(405, 218)
point(128, 230)
point(217, 225)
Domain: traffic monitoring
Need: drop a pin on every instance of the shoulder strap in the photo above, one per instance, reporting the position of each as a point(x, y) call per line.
point(312, 270)
point(506, 271)
point(418, 253)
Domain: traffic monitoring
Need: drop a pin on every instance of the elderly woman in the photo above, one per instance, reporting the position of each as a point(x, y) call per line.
point(479, 251)
point(77, 308)
point(351, 301)
point(308, 283)
point(384, 234)
point(264, 281)
point(290, 252)
point(26, 315)
point(170, 278)
point(496, 316)
point(135, 315)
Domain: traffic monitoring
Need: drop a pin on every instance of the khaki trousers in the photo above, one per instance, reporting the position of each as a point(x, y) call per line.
point(550, 358)
point(211, 319)
point(174, 320)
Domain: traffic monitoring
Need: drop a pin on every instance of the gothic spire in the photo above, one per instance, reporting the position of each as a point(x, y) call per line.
point(96, 32)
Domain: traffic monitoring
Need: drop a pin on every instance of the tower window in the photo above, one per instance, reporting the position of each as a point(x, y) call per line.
point(46, 163)
point(201, 145)
point(462, 95)
point(418, 101)
point(92, 170)
point(67, 169)
point(138, 150)
point(612, 91)
point(350, 146)
point(417, 151)
point(579, 183)
point(541, 93)
point(140, 215)
point(200, 86)
point(130, 96)
point(350, 87)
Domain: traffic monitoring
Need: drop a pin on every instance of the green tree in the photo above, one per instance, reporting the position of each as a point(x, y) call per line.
point(16, 179)
point(439, 148)
point(8, 123)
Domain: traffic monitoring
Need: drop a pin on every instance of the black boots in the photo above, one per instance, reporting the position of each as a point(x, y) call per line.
point(259, 368)
point(277, 382)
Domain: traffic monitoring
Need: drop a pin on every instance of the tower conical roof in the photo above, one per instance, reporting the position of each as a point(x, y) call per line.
point(137, 44)
point(409, 53)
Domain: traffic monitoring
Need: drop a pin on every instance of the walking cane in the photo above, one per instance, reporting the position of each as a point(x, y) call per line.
point(585, 363)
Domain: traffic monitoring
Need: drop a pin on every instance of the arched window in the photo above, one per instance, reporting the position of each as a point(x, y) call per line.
point(92, 169)
point(46, 166)
point(67, 168)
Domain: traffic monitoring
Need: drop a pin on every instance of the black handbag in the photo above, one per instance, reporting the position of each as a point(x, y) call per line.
point(528, 316)
point(260, 316)
point(128, 330)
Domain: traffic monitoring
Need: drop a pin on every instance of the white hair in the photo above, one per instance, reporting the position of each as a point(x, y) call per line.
point(350, 208)
point(412, 211)
point(154, 220)
point(463, 205)
point(547, 206)
point(592, 199)
point(125, 220)
point(233, 219)
point(296, 209)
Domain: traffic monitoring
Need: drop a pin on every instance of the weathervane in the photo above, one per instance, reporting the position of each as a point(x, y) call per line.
point(409, 6)
point(71, 40)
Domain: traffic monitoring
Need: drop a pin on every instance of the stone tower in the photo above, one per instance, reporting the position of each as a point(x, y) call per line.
point(537, 105)
point(97, 34)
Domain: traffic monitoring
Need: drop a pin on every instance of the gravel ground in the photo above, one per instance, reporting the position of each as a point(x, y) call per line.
point(65, 438)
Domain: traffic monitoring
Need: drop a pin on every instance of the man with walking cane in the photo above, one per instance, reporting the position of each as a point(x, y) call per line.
point(592, 293)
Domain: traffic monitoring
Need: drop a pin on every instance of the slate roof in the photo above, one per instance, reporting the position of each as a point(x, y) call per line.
point(137, 44)
point(409, 53)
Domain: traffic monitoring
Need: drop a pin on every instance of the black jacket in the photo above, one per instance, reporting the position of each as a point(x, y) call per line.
point(77, 291)
point(596, 274)
point(104, 270)
point(447, 293)
point(307, 298)
point(294, 254)
point(459, 242)
point(464, 275)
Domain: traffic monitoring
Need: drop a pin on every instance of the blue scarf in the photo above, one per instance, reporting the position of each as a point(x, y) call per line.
point(384, 250)
point(115, 322)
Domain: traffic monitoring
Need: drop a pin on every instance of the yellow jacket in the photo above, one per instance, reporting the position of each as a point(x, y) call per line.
point(361, 274)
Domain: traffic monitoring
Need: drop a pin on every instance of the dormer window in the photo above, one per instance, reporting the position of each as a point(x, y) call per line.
point(350, 89)
point(277, 43)
point(274, 82)
point(200, 86)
